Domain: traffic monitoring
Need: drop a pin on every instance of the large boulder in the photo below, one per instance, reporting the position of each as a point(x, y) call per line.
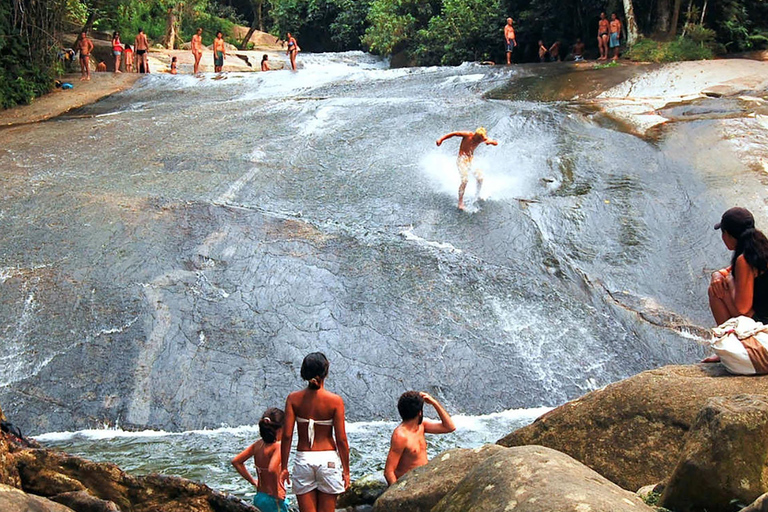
point(632, 432)
point(420, 489)
point(725, 458)
point(535, 479)
point(16, 500)
point(86, 486)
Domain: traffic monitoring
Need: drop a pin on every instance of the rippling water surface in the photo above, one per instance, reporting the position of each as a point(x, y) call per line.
point(182, 245)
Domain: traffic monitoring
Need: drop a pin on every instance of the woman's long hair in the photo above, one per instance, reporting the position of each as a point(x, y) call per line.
point(270, 423)
point(754, 246)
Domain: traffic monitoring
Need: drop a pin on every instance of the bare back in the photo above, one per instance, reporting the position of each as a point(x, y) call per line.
point(314, 404)
point(469, 144)
point(266, 457)
point(141, 42)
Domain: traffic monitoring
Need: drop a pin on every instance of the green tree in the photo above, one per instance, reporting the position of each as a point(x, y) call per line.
point(394, 24)
point(465, 30)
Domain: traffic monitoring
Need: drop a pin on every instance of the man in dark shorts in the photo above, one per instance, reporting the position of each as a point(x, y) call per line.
point(85, 46)
point(219, 52)
point(603, 28)
point(142, 46)
point(509, 39)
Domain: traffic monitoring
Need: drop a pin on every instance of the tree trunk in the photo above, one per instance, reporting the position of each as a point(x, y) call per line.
point(675, 18)
point(171, 26)
point(259, 14)
point(244, 44)
point(662, 16)
point(631, 25)
point(87, 27)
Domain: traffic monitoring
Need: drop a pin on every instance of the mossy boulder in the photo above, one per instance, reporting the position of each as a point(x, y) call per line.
point(363, 491)
point(725, 458)
point(632, 432)
point(420, 489)
point(536, 479)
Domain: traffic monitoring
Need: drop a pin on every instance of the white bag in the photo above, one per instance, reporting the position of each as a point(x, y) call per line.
point(742, 345)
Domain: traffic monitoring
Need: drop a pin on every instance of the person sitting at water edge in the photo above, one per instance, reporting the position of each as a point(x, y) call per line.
point(509, 39)
point(321, 469)
point(742, 287)
point(266, 457)
point(197, 49)
point(219, 52)
point(578, 51)
point(174, 61)
point(469, 142)
point(265, 62)
point(408, 447)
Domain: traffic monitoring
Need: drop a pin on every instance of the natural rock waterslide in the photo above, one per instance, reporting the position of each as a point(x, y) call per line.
point(171, 253)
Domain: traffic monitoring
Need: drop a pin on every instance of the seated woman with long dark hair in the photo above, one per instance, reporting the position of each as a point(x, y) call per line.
point(741, 288)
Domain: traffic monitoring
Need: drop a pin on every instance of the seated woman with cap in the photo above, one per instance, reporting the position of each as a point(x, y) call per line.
point(741, 288)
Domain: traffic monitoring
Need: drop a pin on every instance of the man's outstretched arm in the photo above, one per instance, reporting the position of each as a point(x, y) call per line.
point(446, 423)
point(453, 134)
point(491, 142)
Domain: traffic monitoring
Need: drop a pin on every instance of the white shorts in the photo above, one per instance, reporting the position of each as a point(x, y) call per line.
point(317, 470)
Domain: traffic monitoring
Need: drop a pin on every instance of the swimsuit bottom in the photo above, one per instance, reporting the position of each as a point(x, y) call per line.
point(141, 52)
point(464, 163)
point(614, 40)
point(317, 470)
point(218, 59)
point(268, 503)
point(601, 34)
point(117, 53)
point(510, 45)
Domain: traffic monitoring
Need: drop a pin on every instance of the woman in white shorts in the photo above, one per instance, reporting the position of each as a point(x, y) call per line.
point(321, 469)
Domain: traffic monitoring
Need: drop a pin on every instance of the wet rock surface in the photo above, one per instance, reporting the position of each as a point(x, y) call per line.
point(182, 282)
point(422, 488)
point(363, 491)
point(725, 458)
point(633, 432)
point(535, 478)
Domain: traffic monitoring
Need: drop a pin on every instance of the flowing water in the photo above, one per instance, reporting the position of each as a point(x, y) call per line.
point(171, 253)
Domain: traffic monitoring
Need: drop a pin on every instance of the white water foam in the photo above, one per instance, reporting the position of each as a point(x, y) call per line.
point(462, 422)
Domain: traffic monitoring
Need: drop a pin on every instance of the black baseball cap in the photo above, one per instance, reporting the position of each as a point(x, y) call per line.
point(735, 221)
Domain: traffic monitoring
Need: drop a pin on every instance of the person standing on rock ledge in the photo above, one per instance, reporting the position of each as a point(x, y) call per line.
point(408, 447)
point(321, 468)
point(741, 288)
point(266, 457)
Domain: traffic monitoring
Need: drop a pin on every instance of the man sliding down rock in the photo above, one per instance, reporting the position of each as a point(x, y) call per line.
point(408, 448)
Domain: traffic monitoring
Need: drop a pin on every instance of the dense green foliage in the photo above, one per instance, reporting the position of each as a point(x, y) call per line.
point(682, 48)
point(321, 25)
point(27, 49)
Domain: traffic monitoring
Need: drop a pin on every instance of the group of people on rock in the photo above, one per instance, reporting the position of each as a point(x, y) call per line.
point(136, 57)
point(608, 39)
point(321, 465)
